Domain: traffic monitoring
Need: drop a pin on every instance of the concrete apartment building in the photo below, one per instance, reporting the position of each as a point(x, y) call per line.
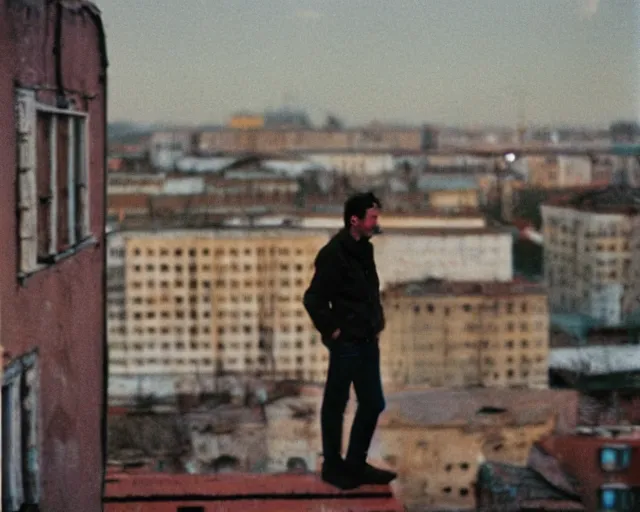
point(361, 164)
point(591, 245)
point(453, 254)
point(437, 447)
point(206, 301)
point(445, 334)
point(52, 154)
point(557, 171)
point(274, 140)
point(184, 300)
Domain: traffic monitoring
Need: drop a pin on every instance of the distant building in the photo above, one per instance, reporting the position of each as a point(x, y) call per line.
point(206, 301)
point(230, 293)
point(608, 378)
point(592, 254)
point(437, 439)
point(592, 469)
point(167, 147)
point(246, 121)
point(303, 139)
point(557, 171)
point(53, 76)
point(354, 163)
point(450, 252)
point(286, 118)
point(453, 335)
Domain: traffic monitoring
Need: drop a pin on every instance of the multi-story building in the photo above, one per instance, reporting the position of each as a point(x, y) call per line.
point(445, 334)
point(166, 148)
point(354, 163)
point(557, 171)
point(175, 289)
point(208, 301)
point(437, 439)
point(452, 254)
point(246, 121)
point(274, 140)
point(52, 154)
point(591, 246)
point(589, 469)
point(454, 200)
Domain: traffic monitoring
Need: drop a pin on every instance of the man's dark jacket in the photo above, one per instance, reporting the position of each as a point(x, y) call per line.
point(345, 290)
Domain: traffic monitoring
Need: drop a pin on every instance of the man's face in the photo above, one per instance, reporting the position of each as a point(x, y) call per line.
point(368, 224)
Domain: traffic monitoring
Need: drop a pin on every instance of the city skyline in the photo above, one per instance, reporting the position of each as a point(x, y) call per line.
point(571, 63)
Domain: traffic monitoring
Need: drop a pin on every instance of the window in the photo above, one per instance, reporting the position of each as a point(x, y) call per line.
point(616, 497)
point(20, 472)
point(615, 458)
point(53, 188)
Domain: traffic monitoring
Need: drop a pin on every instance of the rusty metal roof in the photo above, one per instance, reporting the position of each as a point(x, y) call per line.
point(522, 485)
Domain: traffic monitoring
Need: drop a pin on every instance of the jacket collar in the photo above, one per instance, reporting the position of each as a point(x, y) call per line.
point(356, 247)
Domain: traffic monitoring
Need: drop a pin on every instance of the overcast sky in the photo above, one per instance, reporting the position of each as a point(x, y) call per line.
point(445, 61)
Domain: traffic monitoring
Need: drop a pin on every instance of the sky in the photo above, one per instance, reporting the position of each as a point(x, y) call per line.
point(454, 62)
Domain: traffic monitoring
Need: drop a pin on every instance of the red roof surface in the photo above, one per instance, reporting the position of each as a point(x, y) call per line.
point(241, 492)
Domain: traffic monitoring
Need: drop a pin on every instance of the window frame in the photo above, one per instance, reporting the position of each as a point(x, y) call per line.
point(79, 183)
point(17, 451)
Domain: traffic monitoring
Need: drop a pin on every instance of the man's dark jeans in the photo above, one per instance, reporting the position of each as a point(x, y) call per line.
point(356, 362)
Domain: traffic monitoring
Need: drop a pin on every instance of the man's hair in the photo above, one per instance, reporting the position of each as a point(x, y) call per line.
point(358, 204)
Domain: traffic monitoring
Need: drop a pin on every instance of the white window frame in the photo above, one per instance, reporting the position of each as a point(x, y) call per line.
point(20, 373)
point(27, 109)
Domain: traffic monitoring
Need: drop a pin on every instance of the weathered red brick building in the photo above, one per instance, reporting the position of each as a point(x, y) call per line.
point(52, 156)
point(596, 469)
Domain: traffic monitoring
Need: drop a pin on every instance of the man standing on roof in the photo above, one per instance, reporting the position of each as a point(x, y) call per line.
point(343, 301)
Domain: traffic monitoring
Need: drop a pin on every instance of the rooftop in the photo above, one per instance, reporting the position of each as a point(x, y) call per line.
point(611, 199)
point(284, 492)
point(526, 487)
point(596, 360)
point(438, 287)
point(480, 406)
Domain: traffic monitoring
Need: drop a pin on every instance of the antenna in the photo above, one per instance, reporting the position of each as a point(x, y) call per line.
point(522, 116)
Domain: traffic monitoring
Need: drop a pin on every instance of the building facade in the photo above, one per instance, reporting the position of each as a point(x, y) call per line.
point(274, 140)
point(53, 114)
point(558, 171)
point(437, 448)
point(166, 148)
point(214, 301)
point(589, 254)
point(456, 335)
point(452, 254)
point(354, 163)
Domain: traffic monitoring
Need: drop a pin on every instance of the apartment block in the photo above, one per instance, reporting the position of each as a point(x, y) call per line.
point(214, 301)
point(274, 140)
point(437, 439)
point(558, 171)
point(230, 298)
point(446, 334)
point(452, 254)
point(591, 246)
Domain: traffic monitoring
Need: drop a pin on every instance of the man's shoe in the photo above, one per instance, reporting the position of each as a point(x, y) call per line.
point(368, 474)
point(339, 476)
